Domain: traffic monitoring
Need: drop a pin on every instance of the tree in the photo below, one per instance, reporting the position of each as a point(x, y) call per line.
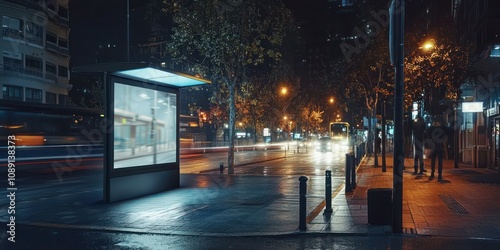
point(311, 117)
point(250, 105)
point(228, 39)
point(435, 67)
point(88, 91)
point(365, 71)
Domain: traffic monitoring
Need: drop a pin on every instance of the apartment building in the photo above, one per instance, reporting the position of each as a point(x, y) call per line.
point(34, 66)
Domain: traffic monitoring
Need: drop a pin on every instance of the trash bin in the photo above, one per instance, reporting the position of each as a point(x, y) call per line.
point(379, 206)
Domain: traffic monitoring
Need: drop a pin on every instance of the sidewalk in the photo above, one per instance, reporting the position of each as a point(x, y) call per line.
point(466, 203)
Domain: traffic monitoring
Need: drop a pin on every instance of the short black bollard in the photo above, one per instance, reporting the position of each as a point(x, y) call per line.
point(221, 167)
point(358, 154)
point(348, 165)
point(302, 203)
point(328, 191)
point(353, 172)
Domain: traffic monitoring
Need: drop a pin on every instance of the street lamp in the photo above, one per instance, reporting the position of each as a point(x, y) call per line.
point(287, 130)
point(428, 45)
point(284, 90)
point(331, 101)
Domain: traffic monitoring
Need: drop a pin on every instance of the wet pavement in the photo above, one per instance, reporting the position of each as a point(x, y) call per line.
point(466, 204)
point(207, 204)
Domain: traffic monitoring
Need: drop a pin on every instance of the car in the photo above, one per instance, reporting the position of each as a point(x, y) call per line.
point(324, 144)
point(303, 143)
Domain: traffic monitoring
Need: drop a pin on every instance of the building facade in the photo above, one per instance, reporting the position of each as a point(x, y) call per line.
point(477, 21)
point(34, 66)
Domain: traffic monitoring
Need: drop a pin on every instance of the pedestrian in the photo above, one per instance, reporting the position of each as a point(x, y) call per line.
point(418, 129)
point(436, 134)
point(378, 141)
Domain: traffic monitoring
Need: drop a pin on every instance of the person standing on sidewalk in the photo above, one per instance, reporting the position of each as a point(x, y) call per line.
point(418, 128)
point(437, 135)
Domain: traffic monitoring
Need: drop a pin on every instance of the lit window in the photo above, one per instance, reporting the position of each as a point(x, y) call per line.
point(12, 92)
point(34, 33)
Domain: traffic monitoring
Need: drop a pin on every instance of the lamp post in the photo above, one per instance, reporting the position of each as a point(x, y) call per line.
point(285, 118)
point(396, 39)
point(427, 46)
point(128, 31)
point(284, 92)
point(240, 127)
point(331, 101)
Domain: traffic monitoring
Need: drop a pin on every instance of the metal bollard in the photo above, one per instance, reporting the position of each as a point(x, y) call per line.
point(221, 167)
point(353, 172)
point(359, 153)
point(348, 164)
point(302, 203)
point(328, 191)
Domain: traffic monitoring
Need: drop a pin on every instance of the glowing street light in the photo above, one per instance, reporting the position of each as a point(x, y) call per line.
point(331, 101)
point(428, 45)
point(284, 90)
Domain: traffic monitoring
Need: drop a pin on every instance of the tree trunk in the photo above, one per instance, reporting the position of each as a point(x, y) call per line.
point(232, 117)
point(375, 138)
point(383, 136)
point(369, 140)
point(255, 131)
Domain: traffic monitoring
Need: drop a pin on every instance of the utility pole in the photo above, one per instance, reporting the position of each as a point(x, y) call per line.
point(396, 40)
point(128, 31)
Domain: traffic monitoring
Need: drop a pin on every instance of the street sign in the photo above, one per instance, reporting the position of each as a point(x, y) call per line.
point(472, 107)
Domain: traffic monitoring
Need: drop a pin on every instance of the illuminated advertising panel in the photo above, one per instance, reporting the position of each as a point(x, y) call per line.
point(144, 126)
point(141, 125)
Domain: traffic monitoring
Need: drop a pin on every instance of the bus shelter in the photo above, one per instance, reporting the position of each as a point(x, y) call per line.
point(141, 128)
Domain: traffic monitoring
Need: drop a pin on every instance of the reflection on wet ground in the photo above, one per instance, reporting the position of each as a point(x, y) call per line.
point(271, 163)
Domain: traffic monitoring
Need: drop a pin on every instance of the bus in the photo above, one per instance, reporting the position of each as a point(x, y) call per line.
point(339, 131)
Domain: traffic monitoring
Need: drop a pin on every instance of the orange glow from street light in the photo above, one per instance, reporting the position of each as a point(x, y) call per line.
point(428, 45)
point(284, 90)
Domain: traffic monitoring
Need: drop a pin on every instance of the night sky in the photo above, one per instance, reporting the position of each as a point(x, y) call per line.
point(95, 22)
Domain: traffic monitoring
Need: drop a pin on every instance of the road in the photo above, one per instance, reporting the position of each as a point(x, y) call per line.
point(52, 181)
point(67, 160)
point(82, 176)
point(53, 238)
